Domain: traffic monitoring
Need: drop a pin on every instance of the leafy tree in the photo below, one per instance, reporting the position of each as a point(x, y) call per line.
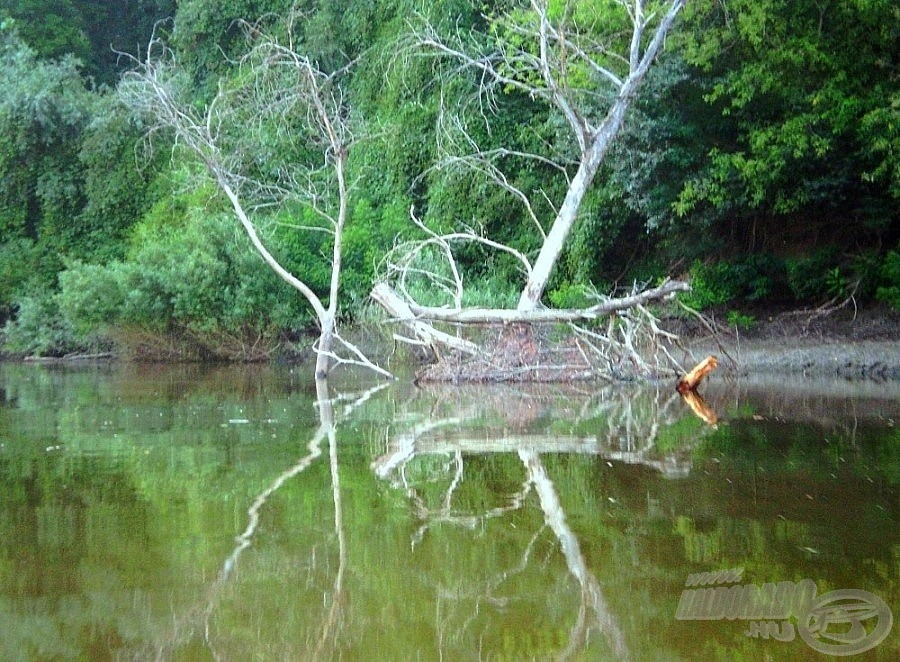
point(806, 89)
point(205, 30)
point(92, 31)
point(755, 140)
point(53, 28)
point(44, 107)
point(187, 273)
point(70, 186)
point(116, 180)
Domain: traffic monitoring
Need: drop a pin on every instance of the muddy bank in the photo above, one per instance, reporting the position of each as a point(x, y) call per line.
point(847, 344)
point(851, 360)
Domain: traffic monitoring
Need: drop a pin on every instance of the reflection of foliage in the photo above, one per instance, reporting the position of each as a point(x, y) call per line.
point(685, 431)
point(778, 447)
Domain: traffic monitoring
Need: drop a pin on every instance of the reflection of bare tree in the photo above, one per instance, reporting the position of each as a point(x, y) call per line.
point(592, 600)
point(329, 626)
point(430, 517)
point(617, 424)
point(185, 625)
point(625, 426)
point(243, 540)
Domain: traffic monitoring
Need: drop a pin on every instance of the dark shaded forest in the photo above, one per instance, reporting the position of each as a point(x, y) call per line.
point(760, 161)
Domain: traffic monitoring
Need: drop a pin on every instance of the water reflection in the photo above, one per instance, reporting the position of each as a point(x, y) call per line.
point(619, 424)
point(614, 423)
point(594, 611)
point(199, 618)
point(192, 514)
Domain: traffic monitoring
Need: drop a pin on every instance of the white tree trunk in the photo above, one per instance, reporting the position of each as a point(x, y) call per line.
point(595, 146)
point(568, 213)
point(324, 347)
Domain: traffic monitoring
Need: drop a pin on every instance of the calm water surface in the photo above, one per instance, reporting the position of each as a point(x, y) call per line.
point(191, 513)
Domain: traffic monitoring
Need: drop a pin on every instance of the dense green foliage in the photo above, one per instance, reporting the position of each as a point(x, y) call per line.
point(762, 159)
point(186, 270)
point(93, 31)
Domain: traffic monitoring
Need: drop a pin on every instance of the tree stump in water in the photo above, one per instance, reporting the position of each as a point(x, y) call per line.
point(692, 380)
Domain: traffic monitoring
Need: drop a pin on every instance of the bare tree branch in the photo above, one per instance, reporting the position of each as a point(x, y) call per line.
point(588, 73)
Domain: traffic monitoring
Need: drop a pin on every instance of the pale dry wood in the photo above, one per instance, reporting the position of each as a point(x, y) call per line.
point(508, 316)
point(400, 310)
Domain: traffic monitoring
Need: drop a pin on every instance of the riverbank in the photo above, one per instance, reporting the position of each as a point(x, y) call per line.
point(861, 344)
point(847, 343)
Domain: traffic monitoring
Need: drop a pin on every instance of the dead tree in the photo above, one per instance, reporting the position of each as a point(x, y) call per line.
point(587, 69)
point(276, 93)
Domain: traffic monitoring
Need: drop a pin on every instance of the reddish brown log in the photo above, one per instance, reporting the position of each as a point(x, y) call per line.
point(692, 380)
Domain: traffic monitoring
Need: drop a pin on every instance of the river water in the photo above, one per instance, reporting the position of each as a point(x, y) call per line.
point(240, 513)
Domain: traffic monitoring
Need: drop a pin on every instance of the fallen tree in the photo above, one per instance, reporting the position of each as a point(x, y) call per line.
point(540, 345)
point(584, 63)
point(405, 311)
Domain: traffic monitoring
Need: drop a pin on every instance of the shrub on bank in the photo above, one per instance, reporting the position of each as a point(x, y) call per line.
point(889, 290)
point(198, 283)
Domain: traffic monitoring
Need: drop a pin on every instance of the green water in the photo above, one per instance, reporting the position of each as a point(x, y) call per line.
point(190, 513)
